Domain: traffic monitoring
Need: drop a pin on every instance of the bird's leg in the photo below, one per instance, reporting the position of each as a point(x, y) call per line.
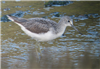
point(63, 34)
point(38, 50)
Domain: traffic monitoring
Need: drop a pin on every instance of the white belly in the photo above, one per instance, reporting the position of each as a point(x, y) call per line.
point(41, 37)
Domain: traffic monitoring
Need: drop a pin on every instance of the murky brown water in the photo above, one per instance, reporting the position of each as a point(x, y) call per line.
point(72, 51)
point(66, 51)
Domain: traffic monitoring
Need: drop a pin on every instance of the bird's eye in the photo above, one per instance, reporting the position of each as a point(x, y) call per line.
point(68, 21)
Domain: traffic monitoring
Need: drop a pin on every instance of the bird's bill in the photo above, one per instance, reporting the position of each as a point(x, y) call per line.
point(76, 29)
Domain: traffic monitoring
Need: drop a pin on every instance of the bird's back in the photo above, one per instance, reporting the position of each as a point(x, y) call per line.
point(36, 25)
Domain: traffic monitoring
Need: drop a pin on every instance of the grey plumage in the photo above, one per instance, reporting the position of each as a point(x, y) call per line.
point(43, 29)
point(36, 25)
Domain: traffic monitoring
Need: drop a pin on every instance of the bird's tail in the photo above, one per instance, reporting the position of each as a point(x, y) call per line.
point(12, 18)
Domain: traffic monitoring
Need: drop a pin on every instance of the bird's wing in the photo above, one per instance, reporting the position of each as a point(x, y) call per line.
point(40, 25)
point(37, 26)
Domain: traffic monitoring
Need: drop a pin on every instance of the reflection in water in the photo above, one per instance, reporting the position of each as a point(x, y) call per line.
point(69, 55)
point(64, 61)
point(69, 51)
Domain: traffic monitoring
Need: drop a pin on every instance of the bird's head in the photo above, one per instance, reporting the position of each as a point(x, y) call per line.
point(69, 22)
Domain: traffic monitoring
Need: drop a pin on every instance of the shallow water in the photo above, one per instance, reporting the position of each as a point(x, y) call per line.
point(72, 45)
point(69, 51)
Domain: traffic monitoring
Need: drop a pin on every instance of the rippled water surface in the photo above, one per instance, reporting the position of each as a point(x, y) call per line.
point(69, 51)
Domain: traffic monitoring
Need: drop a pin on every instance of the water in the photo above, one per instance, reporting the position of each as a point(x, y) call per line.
point(17, 0)
point(69, 51)
point(17, 49)
point(57, 3)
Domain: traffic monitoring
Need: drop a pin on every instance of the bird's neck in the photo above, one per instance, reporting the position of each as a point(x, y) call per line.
point(61, 27)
